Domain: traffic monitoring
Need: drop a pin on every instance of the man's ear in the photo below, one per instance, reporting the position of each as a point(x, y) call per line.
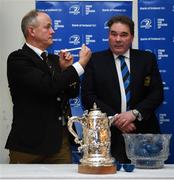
point(31, 31)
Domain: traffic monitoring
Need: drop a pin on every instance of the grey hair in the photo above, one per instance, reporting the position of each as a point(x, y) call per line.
point(30, 19)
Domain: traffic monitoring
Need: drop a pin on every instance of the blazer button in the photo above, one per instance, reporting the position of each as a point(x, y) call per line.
point(58, 99)
point(59, 118)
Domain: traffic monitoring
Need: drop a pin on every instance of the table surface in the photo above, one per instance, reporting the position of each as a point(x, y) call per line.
point(70, 171)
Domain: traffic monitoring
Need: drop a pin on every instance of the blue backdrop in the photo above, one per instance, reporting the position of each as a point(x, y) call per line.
point(156, 34)
point(78, 22)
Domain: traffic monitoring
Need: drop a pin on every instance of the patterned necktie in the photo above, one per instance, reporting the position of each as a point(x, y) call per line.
point(126, 79)
point(44, 55)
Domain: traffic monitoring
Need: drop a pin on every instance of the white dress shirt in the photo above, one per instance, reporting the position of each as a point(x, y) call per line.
point(118, 66)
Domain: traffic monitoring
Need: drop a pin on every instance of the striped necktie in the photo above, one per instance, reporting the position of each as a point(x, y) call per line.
point(126, 79)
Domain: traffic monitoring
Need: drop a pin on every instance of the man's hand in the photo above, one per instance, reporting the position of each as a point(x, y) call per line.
point(66, 59)
point(84, 55)
point(124, 122)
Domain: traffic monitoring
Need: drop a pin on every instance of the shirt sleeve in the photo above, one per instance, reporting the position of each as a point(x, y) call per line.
point(78, 68)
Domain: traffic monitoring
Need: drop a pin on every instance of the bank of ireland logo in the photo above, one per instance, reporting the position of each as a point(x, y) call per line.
point(75, 10)
point(74, 39)
point(146, 23)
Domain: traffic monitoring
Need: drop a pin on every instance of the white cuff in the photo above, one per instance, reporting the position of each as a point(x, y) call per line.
point(78, 68)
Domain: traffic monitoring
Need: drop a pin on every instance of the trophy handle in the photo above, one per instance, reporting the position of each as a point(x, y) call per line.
point(71, 120)
point(111, 120)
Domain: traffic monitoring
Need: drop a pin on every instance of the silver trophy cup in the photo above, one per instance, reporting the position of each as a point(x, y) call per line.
point(95, 143)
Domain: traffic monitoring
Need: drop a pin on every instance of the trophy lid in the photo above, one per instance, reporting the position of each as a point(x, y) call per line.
point(96, 111)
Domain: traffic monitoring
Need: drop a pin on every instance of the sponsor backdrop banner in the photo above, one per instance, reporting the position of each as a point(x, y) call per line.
point(78, 22)
point(81, 22)
point(156, 34)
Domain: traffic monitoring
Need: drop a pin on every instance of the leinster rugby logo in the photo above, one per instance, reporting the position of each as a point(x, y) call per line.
point(74, 39)
point(146, 23)
point(75, 10)
point(75, 102)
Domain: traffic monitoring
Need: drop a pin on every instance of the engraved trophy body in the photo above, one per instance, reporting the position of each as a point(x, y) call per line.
point(95, 143)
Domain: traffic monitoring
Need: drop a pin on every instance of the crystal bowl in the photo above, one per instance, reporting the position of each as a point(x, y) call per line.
point(147, 151)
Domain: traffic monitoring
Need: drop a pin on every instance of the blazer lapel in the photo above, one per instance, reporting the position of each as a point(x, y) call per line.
point(134, 70)
point(112, 66)
point(36, 59)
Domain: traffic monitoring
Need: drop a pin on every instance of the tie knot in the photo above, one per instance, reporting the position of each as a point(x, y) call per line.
point(121, 57)
point(44, 55)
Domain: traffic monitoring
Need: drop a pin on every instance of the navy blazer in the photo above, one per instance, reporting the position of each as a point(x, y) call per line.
point(40, 97)
point(100, 84)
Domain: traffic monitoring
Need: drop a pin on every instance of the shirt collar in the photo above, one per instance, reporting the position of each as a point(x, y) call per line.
point(35, 49)
point(126, 54)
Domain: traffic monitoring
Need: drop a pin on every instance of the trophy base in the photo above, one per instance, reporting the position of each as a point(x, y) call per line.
point(85, 169)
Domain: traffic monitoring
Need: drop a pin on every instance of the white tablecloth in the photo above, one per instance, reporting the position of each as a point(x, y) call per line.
point(69, 172)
